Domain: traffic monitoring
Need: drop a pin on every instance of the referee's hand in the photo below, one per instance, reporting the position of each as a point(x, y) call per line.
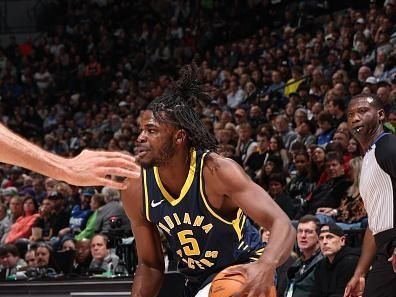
point(355, 287)
point(392, 259)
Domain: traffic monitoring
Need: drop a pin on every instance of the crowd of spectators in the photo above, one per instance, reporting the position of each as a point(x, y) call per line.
point(279, 79)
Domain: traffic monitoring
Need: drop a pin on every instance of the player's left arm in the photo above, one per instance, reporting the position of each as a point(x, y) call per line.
point(232, 182)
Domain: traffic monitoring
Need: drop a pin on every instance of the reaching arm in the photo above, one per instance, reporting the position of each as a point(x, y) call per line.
point(233, 183)
point(87, 169)
point(150, 271)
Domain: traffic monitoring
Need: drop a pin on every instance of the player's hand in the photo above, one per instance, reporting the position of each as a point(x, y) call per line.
point(392, 259)
point(93, 168)
point(259, 280)
point(355, 287)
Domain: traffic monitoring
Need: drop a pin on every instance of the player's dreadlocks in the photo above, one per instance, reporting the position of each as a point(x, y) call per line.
point(177, 108)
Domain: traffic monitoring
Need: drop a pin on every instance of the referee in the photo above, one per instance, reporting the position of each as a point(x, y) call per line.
point(378, 190)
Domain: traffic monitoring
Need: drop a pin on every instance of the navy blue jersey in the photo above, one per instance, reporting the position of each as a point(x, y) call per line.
point(200, 239)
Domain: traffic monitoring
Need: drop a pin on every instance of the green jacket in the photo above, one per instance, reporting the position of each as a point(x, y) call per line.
point(301, 276)
point(89, 230)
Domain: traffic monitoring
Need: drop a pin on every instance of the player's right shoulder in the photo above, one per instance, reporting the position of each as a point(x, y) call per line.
point(132, 198)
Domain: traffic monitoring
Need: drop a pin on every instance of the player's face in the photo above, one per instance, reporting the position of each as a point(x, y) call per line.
point(155, 144)
point(364, 119)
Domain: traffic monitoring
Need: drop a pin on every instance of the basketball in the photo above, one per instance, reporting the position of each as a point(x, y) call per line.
point(227, 283)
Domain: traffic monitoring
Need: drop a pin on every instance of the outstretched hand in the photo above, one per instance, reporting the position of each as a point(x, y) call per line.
point(93, 168)
point(259, 280)
point(355, 287)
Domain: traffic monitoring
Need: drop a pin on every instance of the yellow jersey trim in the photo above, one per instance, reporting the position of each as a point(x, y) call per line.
point(187, 183)
point(146, 198)
point(236, 223)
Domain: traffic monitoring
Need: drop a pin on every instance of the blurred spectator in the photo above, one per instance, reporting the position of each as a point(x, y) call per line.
point(327, 129)
point(256, 160)
point(30, 258)
point(5, 222)
point(46, 260)
point(111, 218)
point(236, 95)
point(10, 260)
point(67, 244)
point(302, 184)
point(276, 188)
point(22, 228)
point(83, 257)
point(276, 146)
point(102, 258)
point(79, 214)
point(246, 145)
point(338, 265)
point(284, 131)
point(60, 215)
point(42, 229)
point(351, 214)
point(97, 201)
point(327, 197)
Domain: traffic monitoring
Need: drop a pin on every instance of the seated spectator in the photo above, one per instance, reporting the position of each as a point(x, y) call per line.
point(30, 258)
point(79, 214)
point(5, 222)
point(10, 260)
point(326, 129)
point(302, 184)
point(284, 131)
point(300, 275)
point(277, 184)
point(67, 244)
point(318, 165)
point(60, 213)
point(83, 257)
point(327, 197)
point(111, 219)
point(97, 201)
point(43, 229)
point(102, 258)
point(351, 214)
point(46, 260)
point(22, 228)
point(272, 165)
point(305, 133)
point(246, 145)
point(338, 265)
point(353, 148)
point(256, 160)
point(277, 148)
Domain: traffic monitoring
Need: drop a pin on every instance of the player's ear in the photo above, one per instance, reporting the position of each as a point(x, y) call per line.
point(180, 136)
point(381, 115)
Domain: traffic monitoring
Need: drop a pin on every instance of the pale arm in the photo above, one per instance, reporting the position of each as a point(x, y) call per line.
point(90, 168)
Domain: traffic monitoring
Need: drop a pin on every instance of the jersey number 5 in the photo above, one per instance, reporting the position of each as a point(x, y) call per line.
point(189, 244)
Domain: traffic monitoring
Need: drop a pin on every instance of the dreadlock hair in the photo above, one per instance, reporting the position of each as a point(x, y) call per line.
point(178, 108)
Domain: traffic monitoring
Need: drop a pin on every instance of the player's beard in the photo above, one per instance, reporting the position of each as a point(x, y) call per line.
point(162, 156)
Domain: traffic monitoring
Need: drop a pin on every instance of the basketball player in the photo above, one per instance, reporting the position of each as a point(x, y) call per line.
point(200, 201)
point(377, 188)
point(89, 168)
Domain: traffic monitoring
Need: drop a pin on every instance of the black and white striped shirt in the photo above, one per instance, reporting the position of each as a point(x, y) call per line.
point(378, 183)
